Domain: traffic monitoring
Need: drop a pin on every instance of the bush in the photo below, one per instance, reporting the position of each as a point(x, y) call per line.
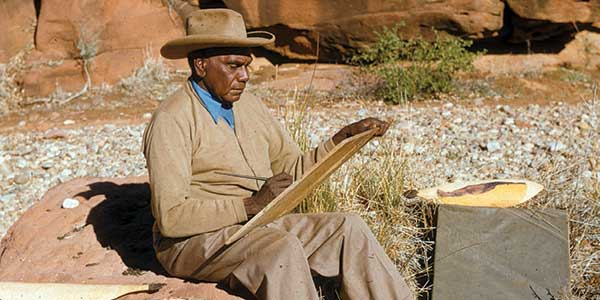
point(414, 67)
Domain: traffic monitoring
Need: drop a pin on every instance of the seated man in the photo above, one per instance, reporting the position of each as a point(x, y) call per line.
point(210, 127)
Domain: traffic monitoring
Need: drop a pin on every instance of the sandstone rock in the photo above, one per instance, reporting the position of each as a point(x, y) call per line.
point(558, 11)
point(106, 239)
point(113, 31)
point(342, 26)
point(583, 51)
point(67, 75)
point(17, 20)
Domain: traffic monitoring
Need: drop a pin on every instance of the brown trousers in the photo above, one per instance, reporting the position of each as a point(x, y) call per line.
point(277, 261)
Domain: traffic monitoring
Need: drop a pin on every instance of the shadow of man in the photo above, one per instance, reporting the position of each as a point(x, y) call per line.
point(123, 222)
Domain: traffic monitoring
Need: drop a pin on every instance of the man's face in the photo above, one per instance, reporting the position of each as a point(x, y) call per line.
point(224, 75)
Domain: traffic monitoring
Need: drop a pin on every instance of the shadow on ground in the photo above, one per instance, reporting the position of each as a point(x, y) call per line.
point(123, 222)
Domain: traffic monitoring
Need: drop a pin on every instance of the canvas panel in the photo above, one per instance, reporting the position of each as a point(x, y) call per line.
point(500, 253)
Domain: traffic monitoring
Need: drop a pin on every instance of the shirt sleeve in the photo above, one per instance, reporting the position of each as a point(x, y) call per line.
point(168, 151)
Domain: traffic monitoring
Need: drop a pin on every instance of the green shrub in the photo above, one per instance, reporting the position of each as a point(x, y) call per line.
point(410, 68)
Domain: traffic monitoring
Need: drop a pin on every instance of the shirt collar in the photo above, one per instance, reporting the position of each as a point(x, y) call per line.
point(215, 107)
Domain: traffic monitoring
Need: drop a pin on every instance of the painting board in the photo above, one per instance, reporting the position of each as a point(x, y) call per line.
point(295, 193)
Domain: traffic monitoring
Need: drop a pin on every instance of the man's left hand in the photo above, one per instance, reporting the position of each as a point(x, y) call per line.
point(360, 127)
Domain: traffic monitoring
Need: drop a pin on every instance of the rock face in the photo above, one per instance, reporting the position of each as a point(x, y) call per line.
point(117, 35)
point(107, 239)
point(344, 25)
point(17, 24)
point(558, 11)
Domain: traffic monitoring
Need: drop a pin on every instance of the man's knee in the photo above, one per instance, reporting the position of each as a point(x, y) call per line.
point(282, 243)
point(353, 221)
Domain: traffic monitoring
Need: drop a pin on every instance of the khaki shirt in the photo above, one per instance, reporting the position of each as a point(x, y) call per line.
point(184, 148)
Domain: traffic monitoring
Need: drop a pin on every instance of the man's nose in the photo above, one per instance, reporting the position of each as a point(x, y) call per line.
point(243, 74)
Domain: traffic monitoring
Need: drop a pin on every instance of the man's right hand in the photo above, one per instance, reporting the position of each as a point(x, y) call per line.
point(270, 189)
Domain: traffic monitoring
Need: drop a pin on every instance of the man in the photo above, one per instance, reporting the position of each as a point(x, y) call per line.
point(210, 127)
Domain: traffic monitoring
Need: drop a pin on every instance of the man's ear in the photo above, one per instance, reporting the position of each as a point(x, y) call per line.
point(200, 67)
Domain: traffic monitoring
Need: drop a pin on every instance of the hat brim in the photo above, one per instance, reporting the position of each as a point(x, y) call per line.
point(179, 48)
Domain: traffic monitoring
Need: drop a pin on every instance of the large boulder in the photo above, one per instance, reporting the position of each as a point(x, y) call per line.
point(17, 24)
point(116, 35)
point(107, 239)
point(342, 26)
point(557, 11)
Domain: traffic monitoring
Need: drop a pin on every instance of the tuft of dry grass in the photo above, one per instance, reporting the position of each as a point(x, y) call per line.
point(10, 91)
point(153, 79)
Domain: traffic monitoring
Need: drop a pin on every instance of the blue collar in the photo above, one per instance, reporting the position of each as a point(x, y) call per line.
point(215, 108)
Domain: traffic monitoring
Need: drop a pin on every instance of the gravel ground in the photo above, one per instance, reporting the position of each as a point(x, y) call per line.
point(443, 144)
point(557, 145)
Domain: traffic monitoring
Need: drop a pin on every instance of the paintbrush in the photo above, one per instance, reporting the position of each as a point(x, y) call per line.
point(243, 176)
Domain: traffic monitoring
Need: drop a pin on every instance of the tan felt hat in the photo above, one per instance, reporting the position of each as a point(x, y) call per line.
point(210, 28)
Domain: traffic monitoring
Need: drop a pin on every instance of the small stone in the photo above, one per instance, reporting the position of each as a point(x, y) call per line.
point(583, 126)
point(446, 114)
point(587, 174)
point(55, 134)
point(21, 163)
point(509, 121)
point(528, 147)
point(457, 121)
point(408, 148)
point(8, 197)
point(22, 123)
point(70, 203)
point(23, 177)
point(47, 165)
point(64, 175)
point(556, 146)
point(493, 146)
point(69, 122)
point(147, 116)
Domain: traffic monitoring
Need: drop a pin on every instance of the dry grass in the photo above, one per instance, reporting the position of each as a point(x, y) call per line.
point(153, 79)
point(10, 91)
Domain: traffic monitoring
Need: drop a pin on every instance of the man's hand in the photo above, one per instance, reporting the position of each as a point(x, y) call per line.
point(360, 127)
point(270, 189)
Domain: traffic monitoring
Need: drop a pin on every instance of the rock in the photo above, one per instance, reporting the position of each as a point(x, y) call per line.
point(109, 234)
point(17, 20)
point(69, 122)
point(493, 146)
point(8, 197)
point(583, 51)
point(147, 116)
point(556, 146)
point(528, 147)
point(21, 163)
point(65, 175)
point(123, 31)
point(69, 203)
point(342, 26)
point(557, 11)
point(47, 165)
point(23, 177)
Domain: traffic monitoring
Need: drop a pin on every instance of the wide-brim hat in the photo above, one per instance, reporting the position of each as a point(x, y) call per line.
point(212, 28)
